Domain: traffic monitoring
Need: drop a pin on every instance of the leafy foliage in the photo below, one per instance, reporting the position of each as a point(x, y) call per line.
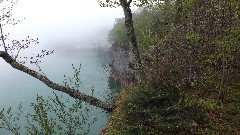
point(118, 35)
point(52, 115)
point(58, 116)
point(192, 45)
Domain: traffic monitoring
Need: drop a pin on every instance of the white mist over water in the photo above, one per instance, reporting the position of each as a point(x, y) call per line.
point(58, 24)
point(18, 87)
point(54, 21)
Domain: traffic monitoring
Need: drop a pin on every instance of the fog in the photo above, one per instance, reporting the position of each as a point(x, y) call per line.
point(57, 22)
point(60, 23)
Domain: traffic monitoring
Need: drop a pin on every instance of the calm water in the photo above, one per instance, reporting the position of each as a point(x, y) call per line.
point(16, 87)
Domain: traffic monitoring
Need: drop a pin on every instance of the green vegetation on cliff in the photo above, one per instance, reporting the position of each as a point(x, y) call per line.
point(192, 71)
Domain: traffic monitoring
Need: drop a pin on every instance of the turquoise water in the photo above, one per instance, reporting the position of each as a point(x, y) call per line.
point(17, 87)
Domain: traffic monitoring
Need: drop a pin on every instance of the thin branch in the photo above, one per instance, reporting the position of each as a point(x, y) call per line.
point(4, 45)
point(40, 69)
point(71, 92)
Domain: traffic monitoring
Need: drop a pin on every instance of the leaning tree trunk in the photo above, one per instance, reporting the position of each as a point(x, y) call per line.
point(135, 61)
point(71, 92)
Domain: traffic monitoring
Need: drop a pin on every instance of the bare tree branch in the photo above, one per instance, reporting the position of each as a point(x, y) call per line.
point(2, 37)
point(71, 92)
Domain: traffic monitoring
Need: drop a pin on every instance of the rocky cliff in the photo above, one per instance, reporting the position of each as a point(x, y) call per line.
point(119, 62)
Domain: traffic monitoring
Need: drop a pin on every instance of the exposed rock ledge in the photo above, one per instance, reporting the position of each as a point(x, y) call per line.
point(119, 62)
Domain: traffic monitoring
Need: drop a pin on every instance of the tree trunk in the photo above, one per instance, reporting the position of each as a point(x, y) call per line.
point(135, 60)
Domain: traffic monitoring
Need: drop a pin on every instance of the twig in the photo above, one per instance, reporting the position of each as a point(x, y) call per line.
point(4, 45)
point(40, 69)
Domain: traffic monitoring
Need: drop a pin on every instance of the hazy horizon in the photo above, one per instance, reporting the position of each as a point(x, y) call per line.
point(56, 21)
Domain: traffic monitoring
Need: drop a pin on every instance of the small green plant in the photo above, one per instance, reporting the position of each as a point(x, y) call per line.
point(52, 115)
point(203, 103)
point(10, 120)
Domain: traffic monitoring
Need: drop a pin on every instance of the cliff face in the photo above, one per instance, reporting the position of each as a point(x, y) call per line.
point(119, 62)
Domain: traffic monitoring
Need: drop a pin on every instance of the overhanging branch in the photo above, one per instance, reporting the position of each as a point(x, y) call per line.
point(71, 92)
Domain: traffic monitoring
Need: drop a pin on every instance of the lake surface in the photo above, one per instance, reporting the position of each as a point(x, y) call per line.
point(17, 87)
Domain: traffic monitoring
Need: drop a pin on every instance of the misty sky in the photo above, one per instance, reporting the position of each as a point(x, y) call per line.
point(57, 22)
point(54, 21)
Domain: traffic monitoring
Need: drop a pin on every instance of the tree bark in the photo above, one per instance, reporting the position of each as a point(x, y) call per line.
point(71, 92)
point(134, 51)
